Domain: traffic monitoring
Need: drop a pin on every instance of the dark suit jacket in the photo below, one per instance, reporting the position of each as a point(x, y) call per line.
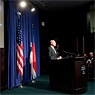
point(52, 54)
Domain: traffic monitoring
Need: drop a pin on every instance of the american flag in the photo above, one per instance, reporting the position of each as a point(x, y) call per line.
point(20, 56)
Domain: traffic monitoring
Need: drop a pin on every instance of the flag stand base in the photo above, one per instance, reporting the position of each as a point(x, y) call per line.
point(21, 86)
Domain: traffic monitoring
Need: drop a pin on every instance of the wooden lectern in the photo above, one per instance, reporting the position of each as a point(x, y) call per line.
point(68, 75)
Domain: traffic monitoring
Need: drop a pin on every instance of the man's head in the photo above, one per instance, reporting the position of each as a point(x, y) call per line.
point(91, 54)
point(53, 43)
point(84, 54)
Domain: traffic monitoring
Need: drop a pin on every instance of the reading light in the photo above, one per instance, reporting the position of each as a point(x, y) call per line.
point(23, 4)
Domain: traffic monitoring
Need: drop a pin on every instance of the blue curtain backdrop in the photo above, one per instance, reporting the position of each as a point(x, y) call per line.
point(27, 19)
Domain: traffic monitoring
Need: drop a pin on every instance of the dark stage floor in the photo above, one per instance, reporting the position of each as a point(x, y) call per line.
point(41, 86)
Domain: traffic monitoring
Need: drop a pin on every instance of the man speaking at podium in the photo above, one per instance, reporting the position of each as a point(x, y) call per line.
point(52, 52)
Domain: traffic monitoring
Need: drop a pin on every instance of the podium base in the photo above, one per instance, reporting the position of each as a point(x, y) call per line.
point(69, 90)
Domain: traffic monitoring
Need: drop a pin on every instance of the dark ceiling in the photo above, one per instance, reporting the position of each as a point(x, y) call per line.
point(53, 5)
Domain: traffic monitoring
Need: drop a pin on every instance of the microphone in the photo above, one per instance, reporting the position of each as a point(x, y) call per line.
point(65, 51)
point(69, 52)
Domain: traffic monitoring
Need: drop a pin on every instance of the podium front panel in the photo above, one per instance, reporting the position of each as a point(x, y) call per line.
point(68, 75)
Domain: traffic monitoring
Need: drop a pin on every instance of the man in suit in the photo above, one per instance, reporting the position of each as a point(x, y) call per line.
point(52, 52)
point(90, 64)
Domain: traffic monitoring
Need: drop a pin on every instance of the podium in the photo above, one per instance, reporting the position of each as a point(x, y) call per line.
point(68, 75)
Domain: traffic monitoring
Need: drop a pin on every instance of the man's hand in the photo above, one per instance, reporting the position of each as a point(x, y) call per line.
point(60, 57)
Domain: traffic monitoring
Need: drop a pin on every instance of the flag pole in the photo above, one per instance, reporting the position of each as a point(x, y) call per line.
point(33, 79)
point(20, 86)
point(33, 71)
point(19, 14)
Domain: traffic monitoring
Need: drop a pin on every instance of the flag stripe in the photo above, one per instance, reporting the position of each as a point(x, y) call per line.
point(19, 69)
point(20, 49)
point(20, 63)
point(20, 52)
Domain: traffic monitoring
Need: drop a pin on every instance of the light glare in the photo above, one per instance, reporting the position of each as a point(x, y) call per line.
point(23, 4)
point(33, 9)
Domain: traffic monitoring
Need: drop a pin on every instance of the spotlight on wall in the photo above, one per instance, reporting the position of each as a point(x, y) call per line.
point(23, 4)
point(32, 9)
